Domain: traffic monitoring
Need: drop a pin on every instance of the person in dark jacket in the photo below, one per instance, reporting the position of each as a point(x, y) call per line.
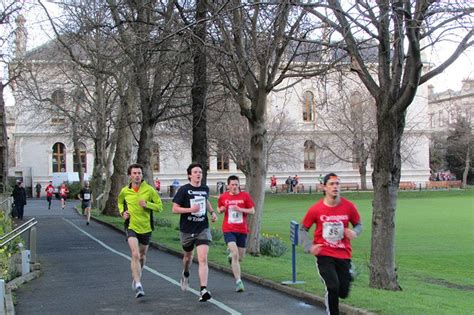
point(19, 198)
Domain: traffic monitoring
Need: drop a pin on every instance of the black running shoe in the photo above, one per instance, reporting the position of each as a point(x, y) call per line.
point(205, 295)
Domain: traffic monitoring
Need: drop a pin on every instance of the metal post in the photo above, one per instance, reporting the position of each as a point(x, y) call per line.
point(294, 241)
point(32, 245)
point(2, 296)
point(293, 259)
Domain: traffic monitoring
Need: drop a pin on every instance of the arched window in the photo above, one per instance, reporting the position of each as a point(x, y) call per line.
point(83, 159)
point(222, 160)
point(155, 158)
point(309, 155)
point(59, 157)
point(58, 97)
point(308, 106)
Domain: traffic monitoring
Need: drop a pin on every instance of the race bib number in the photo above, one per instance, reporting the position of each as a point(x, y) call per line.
point(235, 217)
point(201, 202)
point(333, 231)
point(87, 196)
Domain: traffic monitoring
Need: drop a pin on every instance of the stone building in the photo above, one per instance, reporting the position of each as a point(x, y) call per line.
point(41, 147)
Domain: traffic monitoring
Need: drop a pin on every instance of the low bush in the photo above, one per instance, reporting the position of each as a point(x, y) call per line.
point(7, 271)
point(272, 245)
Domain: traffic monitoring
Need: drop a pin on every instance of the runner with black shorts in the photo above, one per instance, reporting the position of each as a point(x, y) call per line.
point(85, 195)
point(192, 203)
point(332, 238)
point(136, 202)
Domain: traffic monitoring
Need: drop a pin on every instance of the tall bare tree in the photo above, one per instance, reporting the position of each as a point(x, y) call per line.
point(9, 11)
point(253, 42)
point(398, 32)
point(347, 128)
point(147, 32)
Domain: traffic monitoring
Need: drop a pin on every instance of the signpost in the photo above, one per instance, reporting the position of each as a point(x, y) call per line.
point(294, 241)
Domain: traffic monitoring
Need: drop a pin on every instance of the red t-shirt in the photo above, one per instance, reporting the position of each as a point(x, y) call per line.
point(273, 181)
point(63, 191)
point(235, 221)
point(330, 225)
point(49, 190)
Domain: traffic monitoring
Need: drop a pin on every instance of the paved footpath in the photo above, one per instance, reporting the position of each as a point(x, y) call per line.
point(86, 270)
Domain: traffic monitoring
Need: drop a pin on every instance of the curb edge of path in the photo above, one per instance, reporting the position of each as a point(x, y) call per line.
point(305, 296)
point(15, 284)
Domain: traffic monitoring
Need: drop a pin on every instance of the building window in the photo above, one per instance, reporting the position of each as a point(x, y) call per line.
point(308, 106)
point(432, 120)
point(58, 97)
point(155, 158)
point(59, 158)
point(82, 160)
point(440, 118)
point(222, 161)
point(309, 155)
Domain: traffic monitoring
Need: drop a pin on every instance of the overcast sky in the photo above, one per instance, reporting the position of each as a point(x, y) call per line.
point(39, 32)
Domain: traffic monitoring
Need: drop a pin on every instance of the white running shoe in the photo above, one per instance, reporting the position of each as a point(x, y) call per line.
point(184, 281)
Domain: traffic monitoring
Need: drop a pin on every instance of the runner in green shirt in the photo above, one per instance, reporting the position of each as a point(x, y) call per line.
point(136, 202)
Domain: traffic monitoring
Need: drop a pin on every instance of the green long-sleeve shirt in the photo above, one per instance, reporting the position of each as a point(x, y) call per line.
point(139, 216)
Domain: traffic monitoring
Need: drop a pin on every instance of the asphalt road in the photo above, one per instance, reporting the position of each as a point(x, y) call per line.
point(86, 270)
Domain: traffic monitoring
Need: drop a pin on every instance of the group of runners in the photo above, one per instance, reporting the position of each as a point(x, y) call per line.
point(330, 245)
point(85, 195)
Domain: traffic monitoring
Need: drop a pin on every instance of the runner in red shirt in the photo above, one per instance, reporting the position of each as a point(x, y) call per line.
point(332, 240)
point(235, 205)
point(49, 193)
point(63, 191)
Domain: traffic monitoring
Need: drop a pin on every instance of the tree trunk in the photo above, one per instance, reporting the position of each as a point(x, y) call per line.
point(467, 167)
point(385, 178)
point(199, 146)
point(363, 174)
point(256, 180)
point(77, 151)
point(144, 149)
point(123, 148)
point(3, 143)
point(97, 181)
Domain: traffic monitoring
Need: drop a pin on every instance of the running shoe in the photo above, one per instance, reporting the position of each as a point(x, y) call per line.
point(205, 295)
point(139, 292)
point(184, 281)
point(239, 287)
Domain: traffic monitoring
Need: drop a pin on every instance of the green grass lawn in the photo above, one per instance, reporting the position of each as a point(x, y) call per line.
point(434, 251)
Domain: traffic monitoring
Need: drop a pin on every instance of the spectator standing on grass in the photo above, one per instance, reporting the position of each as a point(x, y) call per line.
point(191, 202)
point(294, 183)
point(273, 184)
point(332, 240)
point(235, 205)
point(288, 184)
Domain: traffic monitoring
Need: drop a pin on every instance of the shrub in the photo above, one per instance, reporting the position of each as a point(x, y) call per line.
point(74, 189)
point(216, 234)
point(272, 245)
point(6, 268)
